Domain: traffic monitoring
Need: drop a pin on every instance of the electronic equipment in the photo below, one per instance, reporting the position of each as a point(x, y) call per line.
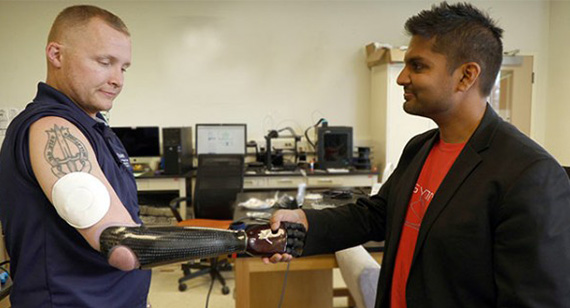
point(221, 139)
point(139, 141)
point(275, 158)
point(363, 159)
point(334, 147)
point(177, 149)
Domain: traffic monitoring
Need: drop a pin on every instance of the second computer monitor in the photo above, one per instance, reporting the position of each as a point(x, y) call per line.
point(139, 141)
point(221, 138)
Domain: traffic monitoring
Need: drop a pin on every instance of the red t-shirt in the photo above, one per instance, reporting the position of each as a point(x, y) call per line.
point(436, 166)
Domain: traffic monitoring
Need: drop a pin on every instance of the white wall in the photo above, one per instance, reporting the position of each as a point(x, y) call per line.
point(269, 64)
point(558, 104)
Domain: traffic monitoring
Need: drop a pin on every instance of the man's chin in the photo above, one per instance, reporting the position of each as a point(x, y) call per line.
point(409, 107)
point(105, 105)
point(413, 108)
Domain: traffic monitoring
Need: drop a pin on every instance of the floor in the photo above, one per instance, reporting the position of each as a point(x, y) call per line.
point(164, 290)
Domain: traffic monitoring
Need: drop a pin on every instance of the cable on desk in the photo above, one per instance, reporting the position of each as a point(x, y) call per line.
point(337, 194)
point(360, 191)
point(284, 284)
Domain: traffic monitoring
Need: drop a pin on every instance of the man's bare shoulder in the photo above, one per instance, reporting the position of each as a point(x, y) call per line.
point(42, 123)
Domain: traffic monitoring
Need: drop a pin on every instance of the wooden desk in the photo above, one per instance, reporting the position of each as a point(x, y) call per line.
point(309, 282)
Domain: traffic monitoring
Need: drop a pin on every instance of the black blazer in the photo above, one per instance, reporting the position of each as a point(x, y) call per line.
point(496, 234)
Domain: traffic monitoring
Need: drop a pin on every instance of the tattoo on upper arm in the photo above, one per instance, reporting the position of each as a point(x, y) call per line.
point(65, 153)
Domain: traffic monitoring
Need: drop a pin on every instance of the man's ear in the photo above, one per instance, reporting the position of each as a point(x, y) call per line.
point(53, 54)
point(470, 72)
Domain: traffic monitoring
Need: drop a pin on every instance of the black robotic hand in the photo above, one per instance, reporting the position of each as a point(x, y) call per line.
point(289, 238)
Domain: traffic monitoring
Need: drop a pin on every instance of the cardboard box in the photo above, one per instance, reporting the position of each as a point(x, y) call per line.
point(377, 54)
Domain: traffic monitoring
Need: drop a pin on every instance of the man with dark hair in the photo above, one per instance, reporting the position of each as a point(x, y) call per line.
point(476, 214)
point(462, 35)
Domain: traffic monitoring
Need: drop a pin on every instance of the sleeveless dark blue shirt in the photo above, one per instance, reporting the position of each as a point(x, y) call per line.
point(51, 263)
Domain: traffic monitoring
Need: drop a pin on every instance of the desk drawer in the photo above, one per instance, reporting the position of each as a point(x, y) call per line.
point(158, 184)
point(284, 182)
point(324, 181)
point(342, 181)
point(254, 182)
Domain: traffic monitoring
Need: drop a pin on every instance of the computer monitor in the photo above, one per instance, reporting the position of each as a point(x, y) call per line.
point(221, 139)
point(334, 147)
point(139, 141)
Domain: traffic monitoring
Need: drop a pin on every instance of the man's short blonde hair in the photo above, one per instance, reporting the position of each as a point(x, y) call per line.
point(79, 15)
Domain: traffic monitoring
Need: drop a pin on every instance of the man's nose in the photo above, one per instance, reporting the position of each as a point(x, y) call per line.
point(403, 77)
point(117, 78)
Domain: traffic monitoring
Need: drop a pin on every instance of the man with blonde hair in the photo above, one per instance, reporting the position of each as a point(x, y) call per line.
point(62, 133)
point(68, 197)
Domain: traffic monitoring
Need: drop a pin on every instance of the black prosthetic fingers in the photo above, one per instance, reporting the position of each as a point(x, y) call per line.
point(263, 241)
point(295, 238)
point(163, 245)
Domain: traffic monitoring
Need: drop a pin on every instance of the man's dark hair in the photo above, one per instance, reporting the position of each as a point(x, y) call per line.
point(463, 34)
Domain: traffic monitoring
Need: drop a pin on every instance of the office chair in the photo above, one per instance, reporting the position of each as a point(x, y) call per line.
point(219, 179)
point(360, 273)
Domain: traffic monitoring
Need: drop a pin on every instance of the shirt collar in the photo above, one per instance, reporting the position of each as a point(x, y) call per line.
point(47, 92)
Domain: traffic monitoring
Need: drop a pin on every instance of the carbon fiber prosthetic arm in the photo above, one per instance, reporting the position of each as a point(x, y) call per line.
point(149, 247)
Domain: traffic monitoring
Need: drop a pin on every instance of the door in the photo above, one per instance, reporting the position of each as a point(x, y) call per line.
point(512, 94)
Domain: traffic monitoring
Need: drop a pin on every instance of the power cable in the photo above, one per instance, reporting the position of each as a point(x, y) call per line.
point(210, 291)
point(284, 284)
point(314, 145)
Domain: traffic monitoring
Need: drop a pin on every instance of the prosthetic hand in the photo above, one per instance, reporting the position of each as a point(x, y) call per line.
point(289, 238)
point(149, 247)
